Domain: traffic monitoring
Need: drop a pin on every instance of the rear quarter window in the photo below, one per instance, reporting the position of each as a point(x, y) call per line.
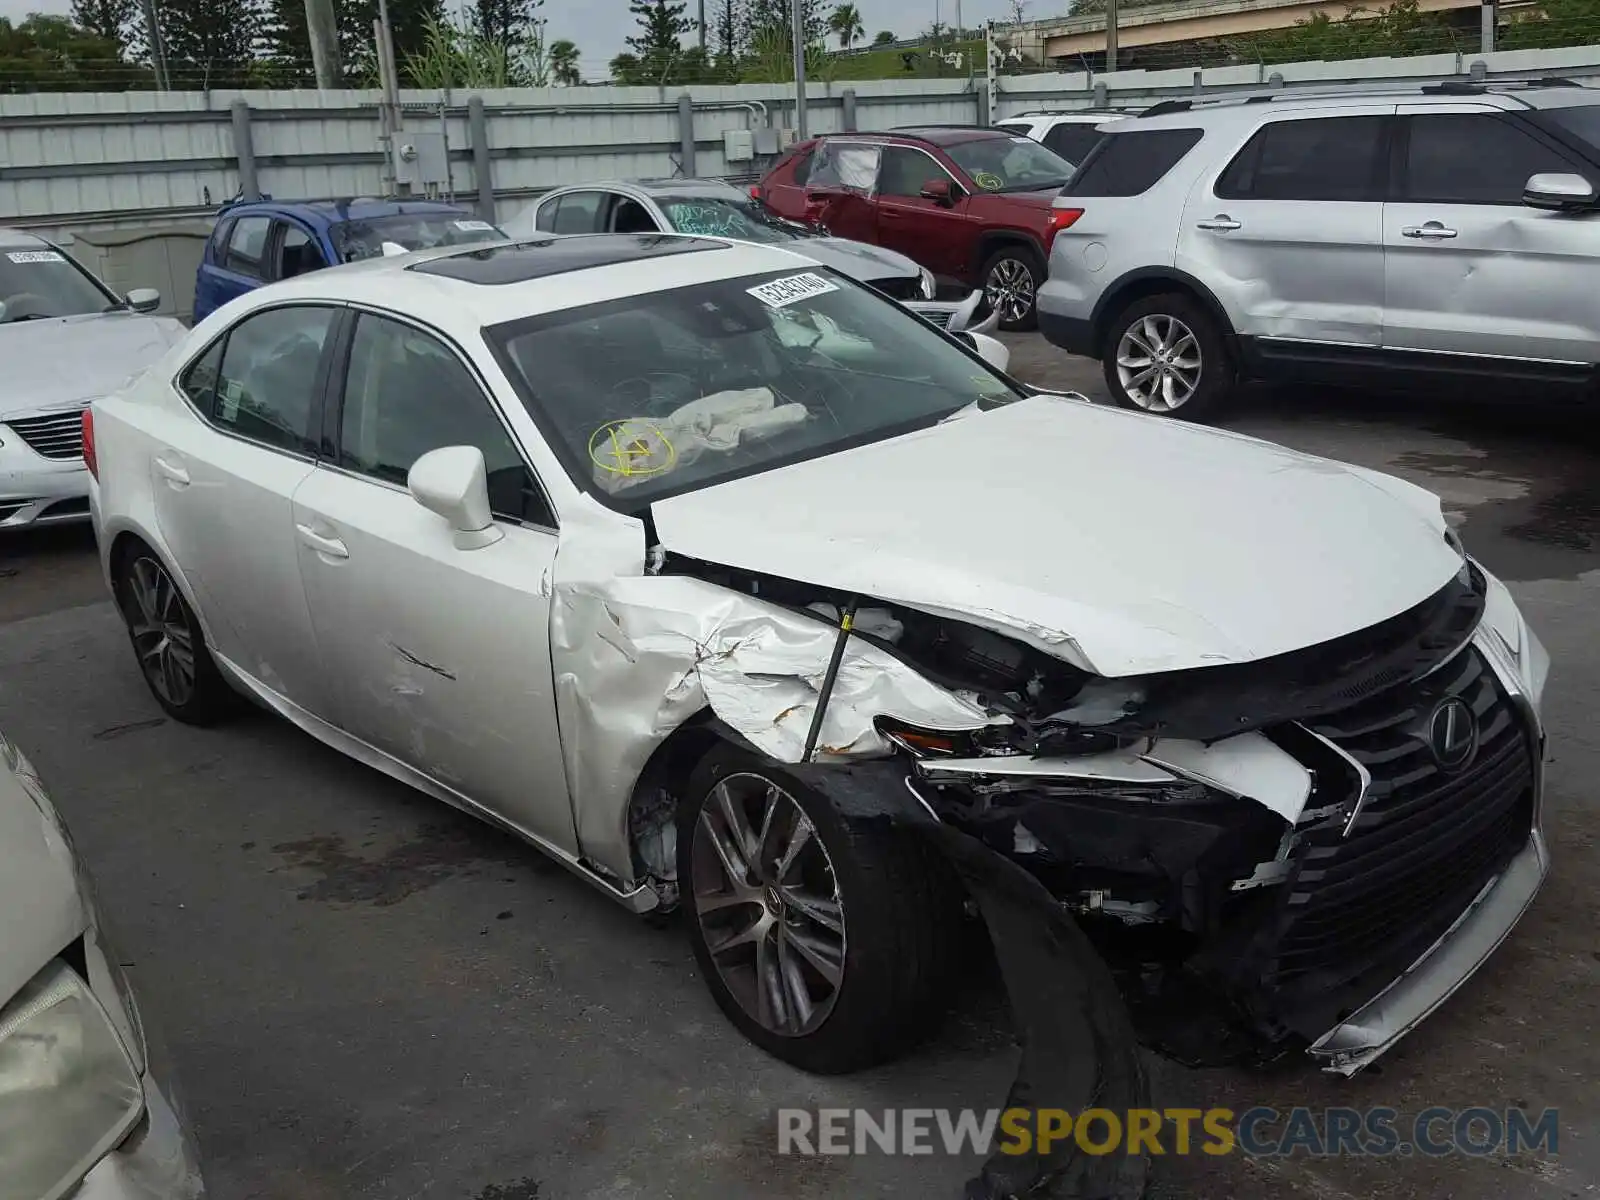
point(1131, 163)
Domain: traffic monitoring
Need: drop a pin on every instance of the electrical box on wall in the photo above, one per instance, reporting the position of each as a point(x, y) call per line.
point(738, 145)
point(420, 158)
point(773, 141)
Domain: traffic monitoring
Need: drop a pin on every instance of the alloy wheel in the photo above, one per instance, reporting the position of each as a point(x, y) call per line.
point(160, 631)
point(767, 902)
point(1159, 363)
point(1009, 289)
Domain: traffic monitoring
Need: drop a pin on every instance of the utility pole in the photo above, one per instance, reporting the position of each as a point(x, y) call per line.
point(796, 18)
point(323, 34)
point(1488, 18)
point(1111, 36)
point(702, 26)
point(391, 119)
point(158, 49)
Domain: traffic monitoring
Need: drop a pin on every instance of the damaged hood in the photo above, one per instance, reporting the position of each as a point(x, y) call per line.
point(1122, 544)
point(57, 362)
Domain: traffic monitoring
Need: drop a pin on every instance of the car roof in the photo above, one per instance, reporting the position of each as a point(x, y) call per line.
point(20, 237)
point(1253, 106)
point(655, 187)
point(332, 212)
point(933, 135)
point(464, 288)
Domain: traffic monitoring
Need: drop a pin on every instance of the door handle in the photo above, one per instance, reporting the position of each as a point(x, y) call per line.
point(331, 546)
point(173, 473)
point(1430, 231)
point(1221, 222)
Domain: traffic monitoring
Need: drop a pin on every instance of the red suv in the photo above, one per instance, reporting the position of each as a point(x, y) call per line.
point(971, 204)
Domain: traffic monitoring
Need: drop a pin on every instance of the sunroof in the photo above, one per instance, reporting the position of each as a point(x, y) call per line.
point(555, 256)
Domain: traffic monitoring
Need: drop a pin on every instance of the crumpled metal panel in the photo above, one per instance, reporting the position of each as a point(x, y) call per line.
point(637, 655)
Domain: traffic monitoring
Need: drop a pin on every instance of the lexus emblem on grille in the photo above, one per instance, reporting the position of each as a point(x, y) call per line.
point(1453, 733)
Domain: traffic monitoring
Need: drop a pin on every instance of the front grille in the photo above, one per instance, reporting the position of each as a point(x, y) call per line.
point(940, 317)
point(1364, 907)
point(59, 435)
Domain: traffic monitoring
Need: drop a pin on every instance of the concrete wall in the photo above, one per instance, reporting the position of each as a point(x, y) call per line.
point(78, 163)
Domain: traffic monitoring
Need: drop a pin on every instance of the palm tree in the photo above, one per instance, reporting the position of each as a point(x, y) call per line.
point(845, 21)
point(564, 63)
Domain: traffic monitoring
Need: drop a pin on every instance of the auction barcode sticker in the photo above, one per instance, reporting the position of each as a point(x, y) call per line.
point(787, 290)
point(473, 226)
point(33, 256)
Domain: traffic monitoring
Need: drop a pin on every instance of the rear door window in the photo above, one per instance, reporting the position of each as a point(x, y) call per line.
point(267, 386)
point(579, 212)
point(1072, 141)
point(247, 245)
point(844, 165)
point(1472, 158)
point(297, 252)
point(1130, 164)
point(1322, 158)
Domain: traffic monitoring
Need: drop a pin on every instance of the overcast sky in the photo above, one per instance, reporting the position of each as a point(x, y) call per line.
point(578, 19)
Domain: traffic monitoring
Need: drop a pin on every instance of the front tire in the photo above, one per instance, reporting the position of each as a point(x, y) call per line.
point(168, 642)
point(1010, 280)
point(819, 938)
point(1166, 355)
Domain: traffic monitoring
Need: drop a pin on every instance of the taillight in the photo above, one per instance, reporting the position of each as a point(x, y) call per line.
point(89, 459)
point(757, 194)
point(1060, 218)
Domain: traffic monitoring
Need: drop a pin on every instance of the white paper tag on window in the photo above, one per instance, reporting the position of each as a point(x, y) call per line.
point(780, 292)
point(231, 392)
point(474, 226)
point(33, 256)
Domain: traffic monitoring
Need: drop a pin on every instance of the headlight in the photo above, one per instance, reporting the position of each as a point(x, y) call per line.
point(930, 286)
point(1518, 645)
point(68, 1089)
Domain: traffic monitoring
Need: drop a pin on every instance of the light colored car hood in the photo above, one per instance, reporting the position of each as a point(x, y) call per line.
point(56, 363)
point(858, 260)
point(38, 886)
point(1122, 544)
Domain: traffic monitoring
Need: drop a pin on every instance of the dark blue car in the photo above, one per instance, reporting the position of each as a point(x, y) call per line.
point(259, 241)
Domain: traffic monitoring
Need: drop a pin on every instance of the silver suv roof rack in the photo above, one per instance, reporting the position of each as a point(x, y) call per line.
point(1445, 87)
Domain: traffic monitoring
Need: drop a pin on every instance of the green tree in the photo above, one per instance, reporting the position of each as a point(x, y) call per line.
point(1552, 23)
point(845, 23)
point(508, 21)
point(884, 37)
point(727, 32)
point(769, 20)
point(212, 43)
point(289, 48)
point(655, 54)
point(51, 54)
point(564, 63)
point(114, 21)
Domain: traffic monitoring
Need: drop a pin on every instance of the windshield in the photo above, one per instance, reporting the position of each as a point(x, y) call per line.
point(1010, 164)
point(37, 283)
point(728, 217)
point(649, 396)
point(356, 240)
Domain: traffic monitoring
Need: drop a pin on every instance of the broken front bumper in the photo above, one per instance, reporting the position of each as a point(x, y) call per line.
point(1433, 978)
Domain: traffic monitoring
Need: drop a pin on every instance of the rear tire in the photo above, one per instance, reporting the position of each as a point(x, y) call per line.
point(168, 643)
point(848, 941)
point(1010, 281)
point(1166, 355)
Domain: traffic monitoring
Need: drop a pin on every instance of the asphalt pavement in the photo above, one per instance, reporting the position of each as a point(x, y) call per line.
point(370, 995)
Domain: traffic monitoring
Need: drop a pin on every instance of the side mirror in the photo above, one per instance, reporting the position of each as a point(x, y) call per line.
point(1559, 192)
point(144, 300)
point(992, 350)
point(453, 482)
point(937, 190)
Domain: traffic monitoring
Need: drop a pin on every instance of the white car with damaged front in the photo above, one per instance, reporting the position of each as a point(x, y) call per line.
point(601, 538)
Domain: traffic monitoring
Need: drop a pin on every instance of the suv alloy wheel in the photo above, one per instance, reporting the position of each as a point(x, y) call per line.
point(1164, 355)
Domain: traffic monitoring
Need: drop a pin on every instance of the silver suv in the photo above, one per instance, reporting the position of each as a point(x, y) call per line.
point(1434, 235)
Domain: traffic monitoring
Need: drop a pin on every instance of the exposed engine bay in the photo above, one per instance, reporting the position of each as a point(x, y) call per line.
point(1174, 814)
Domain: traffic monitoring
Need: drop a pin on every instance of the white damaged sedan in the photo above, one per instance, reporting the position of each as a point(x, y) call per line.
point(712, 574)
